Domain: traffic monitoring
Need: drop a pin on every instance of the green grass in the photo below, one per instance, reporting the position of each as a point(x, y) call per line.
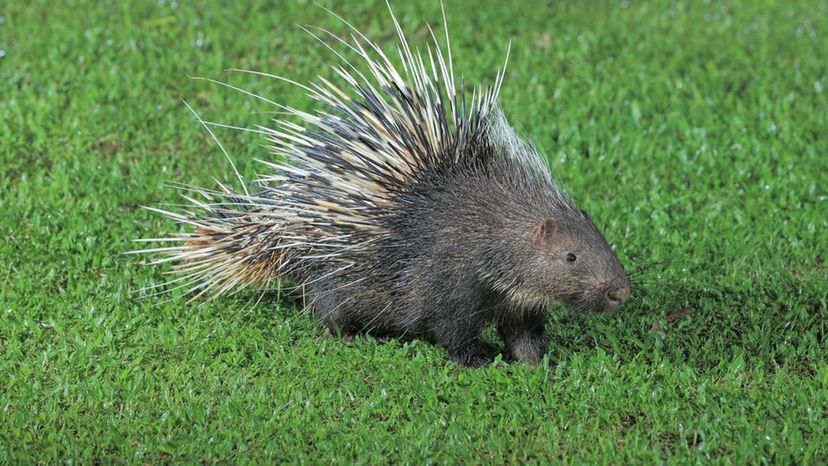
point(697, 133)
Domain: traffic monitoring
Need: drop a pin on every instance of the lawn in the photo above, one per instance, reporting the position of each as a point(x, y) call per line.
point(696, 133)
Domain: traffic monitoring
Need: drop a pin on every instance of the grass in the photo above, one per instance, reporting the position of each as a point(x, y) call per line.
point(696, 132)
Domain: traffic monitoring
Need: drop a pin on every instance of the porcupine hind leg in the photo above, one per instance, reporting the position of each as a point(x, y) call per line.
point(331, 306)
point(462, 340)
point(458, 326)
point(524, 333)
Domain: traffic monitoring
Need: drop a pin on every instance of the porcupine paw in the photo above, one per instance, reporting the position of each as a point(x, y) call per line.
point(469, 357)
point(340, 330)
point(525, 338)
point(529, 350)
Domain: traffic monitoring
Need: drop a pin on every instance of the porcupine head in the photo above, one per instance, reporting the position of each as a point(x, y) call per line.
point(557, 253)
point(568, 260)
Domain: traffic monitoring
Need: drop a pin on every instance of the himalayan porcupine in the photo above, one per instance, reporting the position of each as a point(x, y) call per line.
point(402, 208)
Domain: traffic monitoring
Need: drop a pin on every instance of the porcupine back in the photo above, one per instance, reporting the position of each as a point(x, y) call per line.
point(349, 173)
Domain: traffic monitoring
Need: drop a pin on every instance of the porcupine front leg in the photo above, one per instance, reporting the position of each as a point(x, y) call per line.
point(524, 333)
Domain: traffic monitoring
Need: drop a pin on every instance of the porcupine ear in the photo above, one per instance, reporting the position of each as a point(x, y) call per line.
point(545, 229)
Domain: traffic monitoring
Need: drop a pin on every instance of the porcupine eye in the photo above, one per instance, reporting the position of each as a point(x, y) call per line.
point(570, 257)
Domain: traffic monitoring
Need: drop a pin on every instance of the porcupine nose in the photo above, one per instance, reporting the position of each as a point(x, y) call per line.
point(616, 295)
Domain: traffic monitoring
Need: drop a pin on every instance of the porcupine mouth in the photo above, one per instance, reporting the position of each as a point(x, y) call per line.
point(592, 302)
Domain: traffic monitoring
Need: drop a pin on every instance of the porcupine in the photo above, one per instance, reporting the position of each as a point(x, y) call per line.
point(402, 208)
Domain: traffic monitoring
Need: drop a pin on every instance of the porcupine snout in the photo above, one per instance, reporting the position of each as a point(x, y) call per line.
point(616, 294)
